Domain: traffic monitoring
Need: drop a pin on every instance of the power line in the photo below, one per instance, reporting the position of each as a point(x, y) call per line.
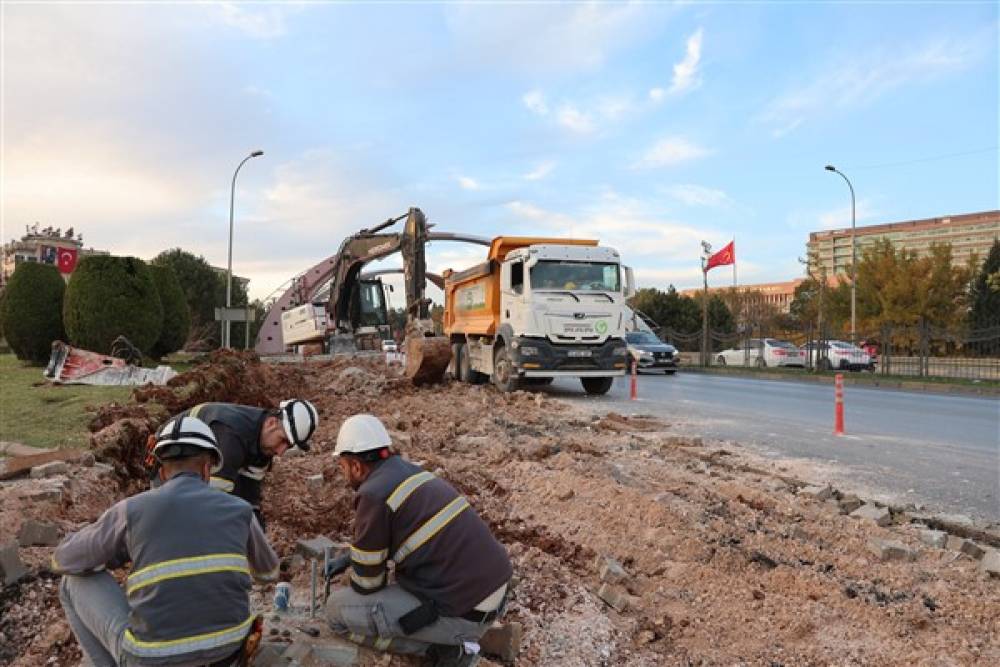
point(927, 159)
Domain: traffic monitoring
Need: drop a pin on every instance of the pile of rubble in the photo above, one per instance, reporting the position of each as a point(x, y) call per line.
point(631, 545)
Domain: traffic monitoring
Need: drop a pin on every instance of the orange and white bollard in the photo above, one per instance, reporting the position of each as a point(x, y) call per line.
point(838, 404)
point(635, 381)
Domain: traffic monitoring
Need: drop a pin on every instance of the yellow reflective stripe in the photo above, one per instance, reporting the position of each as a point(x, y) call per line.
point(222, 484)
point(367, 582)
point(196, 409)
point(382, 643)
point(187, 567)
point(405, 488)
point(362, 557)
point(356, 638)
point(159, 649)
point(430, 528)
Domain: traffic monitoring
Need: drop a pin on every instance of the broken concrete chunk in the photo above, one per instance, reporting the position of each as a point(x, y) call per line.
point(887, 550)
point(880, 515)
point(817, 492)
point(37, 534)
point(44, 494)
point(314, 482)
point(850, 502)
point(11, 567)
point(104, 469)
point(503, 640)
point(315, 547)
point(49, 469)
point(934, 538)
point(970, 548)
point(991, 563)
point(270, 655)
point(610, 570)
point(333, 652)
point(614, 596)
point(954, 543)
point(88, 460)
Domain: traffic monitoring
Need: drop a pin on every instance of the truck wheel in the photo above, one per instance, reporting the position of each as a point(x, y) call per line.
point(597, 386)
point(504, 376)
point(465, 372)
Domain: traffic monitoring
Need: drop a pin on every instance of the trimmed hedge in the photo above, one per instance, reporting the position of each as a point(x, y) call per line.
point(32, 310)
point(110, 297)
point(176, 315)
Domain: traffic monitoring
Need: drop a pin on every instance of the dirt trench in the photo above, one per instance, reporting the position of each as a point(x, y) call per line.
point(724, 563)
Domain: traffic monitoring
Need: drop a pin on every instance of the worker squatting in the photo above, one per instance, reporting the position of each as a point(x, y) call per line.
point(194, 552)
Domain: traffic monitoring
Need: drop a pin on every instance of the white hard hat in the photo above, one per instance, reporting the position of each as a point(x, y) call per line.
point(177, 436)
point(360, 434)
point(299, 418)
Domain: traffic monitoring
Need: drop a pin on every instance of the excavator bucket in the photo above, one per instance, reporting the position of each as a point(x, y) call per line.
point(427, 358)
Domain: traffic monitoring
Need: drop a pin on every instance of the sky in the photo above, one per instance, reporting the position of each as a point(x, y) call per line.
point(648, 126)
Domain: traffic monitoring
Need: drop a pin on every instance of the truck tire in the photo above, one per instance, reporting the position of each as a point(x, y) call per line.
point(597, 386)
point(465, 372)
point(504, 376)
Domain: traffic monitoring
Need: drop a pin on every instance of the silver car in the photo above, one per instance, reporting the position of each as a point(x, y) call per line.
point(649, 352)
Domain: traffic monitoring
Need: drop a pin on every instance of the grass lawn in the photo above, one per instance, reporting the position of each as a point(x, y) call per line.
point(47, 415)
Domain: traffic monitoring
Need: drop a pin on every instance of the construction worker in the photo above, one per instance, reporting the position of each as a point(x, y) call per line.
point(451, 575)
point(193, 550)
point(250, 438)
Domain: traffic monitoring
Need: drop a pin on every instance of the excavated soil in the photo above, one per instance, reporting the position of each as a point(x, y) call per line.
point(726, 564)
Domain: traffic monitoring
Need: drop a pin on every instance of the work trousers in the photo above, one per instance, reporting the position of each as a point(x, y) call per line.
point(373, 620)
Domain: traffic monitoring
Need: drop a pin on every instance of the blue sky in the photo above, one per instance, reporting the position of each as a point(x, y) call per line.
point(648, 126)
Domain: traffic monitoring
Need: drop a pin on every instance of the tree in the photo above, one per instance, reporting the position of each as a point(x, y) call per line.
point(176, 316)
point(984, 297)
point(32, 310)
point(668, 309)
point(110, 297)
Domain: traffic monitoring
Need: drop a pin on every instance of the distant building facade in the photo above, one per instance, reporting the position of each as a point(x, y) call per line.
point(43, 246)
point(779, 295)
point(968, 234)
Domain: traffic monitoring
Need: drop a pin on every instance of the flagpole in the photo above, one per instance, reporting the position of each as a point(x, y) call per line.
point(734, 263)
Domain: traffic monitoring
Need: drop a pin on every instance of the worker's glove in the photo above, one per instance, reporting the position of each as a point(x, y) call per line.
point(337, 564)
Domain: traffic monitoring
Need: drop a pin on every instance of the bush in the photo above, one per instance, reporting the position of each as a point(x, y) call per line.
point(32, 310)
point(110, 297)
point(176, 315)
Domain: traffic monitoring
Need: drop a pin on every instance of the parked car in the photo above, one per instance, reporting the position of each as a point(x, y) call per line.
point(762, 352)
point(838, 354)
point(389, 346)
point(650, 352)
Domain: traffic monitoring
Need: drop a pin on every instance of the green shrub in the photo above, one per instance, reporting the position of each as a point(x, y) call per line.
point(176, 315)
point(110, 297)
point(32, 310)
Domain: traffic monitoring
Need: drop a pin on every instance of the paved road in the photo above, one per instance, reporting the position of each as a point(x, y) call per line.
point(939, 451)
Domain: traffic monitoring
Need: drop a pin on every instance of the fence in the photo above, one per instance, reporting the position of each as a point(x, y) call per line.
point(923, 351)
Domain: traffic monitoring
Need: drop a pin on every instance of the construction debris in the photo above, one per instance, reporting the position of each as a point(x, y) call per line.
point(11, 567)
point(880, 515)
point(38, 534)
point(503, 640)
point(73, 365)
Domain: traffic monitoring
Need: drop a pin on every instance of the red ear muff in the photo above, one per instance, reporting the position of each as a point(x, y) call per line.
point(384, 454)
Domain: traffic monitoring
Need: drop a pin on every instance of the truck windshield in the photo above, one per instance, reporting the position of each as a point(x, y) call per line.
point(557, 275)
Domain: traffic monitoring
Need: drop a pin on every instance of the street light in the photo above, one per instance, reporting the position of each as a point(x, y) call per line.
point(854, 258)
point(229, 264)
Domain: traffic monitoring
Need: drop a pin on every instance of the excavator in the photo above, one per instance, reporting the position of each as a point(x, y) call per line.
point(357, 311)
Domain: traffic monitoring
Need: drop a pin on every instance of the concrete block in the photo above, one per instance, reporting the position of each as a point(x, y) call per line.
point(817, 492)
point(49, 470)
point(314, 482)
point(991, 563)
point(270, 655)
point(880, 515)
point(887, 550)
point(333, 652)
point(934, 538)
point(315, 547)
point(610, 570)
point(850, 502)
point(37, 534)
point(954, 543)
point(11, 567)
point(503, 640)
point(970, 548)
point(614, 596)
point(104, 469)
point(833, 506)
point(44, 494)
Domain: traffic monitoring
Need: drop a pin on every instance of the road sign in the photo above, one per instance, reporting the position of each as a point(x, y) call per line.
point(234, 314)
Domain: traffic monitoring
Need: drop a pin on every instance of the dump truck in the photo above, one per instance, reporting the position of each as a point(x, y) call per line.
point(538, 309)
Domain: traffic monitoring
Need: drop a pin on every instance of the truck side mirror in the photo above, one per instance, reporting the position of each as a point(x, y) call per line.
point(629, 282)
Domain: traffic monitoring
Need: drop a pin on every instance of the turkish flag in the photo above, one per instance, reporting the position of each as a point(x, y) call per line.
point(66, 260)
point(725, 256)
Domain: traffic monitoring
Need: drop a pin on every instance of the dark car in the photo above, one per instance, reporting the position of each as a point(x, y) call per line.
point(650, 352)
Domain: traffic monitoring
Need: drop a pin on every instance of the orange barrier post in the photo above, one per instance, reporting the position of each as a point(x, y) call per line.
point(838, 404)
point(635, 380)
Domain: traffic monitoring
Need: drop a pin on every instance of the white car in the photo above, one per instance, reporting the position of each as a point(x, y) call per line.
point(838, 354)
point(762, 352)
point(389, 346)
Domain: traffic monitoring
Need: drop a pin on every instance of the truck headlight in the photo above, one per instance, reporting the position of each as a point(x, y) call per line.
point(528, 351)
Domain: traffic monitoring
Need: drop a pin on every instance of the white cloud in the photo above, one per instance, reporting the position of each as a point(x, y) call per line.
point(862, 80)
point(699, 195)
point(686, 71)
point(835, 218)
point(541, 171)
point(657, 94)
point(671, 151)
point(535, 101)
point(467, 183)
point(614, 108)
point(573, 119)
point(259, 23)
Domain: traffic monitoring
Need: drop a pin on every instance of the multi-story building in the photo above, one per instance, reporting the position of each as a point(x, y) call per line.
point(42, 246)
point(969, 234)
point(779, 295)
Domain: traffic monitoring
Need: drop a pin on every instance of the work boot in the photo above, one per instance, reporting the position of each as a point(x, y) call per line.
point(445, 655)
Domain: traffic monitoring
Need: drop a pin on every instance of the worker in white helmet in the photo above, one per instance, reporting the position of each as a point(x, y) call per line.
point(193, 554)
point(451, 575)
point(249, 439)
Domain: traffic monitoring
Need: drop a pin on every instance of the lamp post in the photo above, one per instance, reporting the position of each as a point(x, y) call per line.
point(854, 258)
point(229, 264)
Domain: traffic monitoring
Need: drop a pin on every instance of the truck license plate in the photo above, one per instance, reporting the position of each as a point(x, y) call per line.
point(579, 353)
